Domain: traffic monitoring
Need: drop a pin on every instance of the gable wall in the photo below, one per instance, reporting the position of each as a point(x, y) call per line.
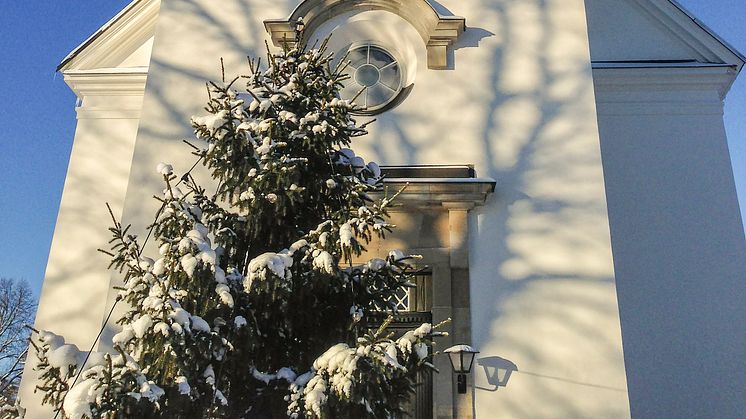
point(108, 79)
point(515, 104)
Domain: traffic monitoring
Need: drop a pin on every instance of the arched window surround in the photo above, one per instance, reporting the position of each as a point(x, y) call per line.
point(438, 32)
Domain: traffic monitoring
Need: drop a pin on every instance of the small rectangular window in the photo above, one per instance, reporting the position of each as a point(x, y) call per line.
point(415, 305)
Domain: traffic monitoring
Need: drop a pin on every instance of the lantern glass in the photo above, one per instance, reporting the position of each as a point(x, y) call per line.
point(469, 358)
point(461, 357)
point(456, 361)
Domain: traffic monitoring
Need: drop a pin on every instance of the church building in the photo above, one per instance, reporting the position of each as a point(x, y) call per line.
point(570, 186)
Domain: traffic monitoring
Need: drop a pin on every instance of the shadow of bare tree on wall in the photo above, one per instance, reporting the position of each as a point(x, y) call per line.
point(518, 104)
point(543, 293)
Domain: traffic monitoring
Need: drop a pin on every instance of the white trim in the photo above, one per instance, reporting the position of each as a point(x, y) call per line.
point(656, 64)
point(707, 29)
point(110, 71)
point(117, 39)
point(618, 107)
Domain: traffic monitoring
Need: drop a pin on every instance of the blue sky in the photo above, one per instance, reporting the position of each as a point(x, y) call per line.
point(38, 117)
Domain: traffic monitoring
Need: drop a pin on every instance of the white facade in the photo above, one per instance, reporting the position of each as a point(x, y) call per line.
point(601, 122)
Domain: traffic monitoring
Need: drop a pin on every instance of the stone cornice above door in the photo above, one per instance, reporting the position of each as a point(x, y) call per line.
point(425, 187)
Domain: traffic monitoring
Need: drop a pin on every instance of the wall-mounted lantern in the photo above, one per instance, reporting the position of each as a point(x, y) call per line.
point(462, 358)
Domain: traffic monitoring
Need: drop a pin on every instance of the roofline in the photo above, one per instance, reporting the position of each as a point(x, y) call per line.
point(711, 32)
point(74, 53)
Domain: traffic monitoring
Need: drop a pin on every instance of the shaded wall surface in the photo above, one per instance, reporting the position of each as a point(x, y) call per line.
point(678, 239)
point(679, 252)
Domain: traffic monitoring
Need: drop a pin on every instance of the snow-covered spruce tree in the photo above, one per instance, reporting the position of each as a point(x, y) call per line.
point(253, 307)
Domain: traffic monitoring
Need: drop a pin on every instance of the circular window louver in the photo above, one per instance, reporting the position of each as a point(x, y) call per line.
point(375, 78)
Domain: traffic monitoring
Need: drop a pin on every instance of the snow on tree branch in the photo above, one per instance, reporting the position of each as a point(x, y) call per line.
point(253, 306)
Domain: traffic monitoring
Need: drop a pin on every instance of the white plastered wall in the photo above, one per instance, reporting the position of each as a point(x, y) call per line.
point(519, 104)
point(679, 247)
point(677, 234)
point(76, 282)
point(543, 291)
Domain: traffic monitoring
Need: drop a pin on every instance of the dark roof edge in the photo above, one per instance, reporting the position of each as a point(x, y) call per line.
point(658, 64)
point(74, 53)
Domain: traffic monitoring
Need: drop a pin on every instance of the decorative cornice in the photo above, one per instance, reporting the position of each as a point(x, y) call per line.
point(107, 82)
point(646, 78)
point(437, 32)
point(108, 93)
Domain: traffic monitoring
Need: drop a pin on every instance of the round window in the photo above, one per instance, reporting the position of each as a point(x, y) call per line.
point(375, 77)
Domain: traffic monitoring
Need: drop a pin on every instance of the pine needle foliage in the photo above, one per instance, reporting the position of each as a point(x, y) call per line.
point(253, 307)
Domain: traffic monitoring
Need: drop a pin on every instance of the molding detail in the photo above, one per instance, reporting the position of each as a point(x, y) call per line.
point(108, 93)
point(107, 82)
point(446, 32)
point(626, 78)
point(437, 32)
